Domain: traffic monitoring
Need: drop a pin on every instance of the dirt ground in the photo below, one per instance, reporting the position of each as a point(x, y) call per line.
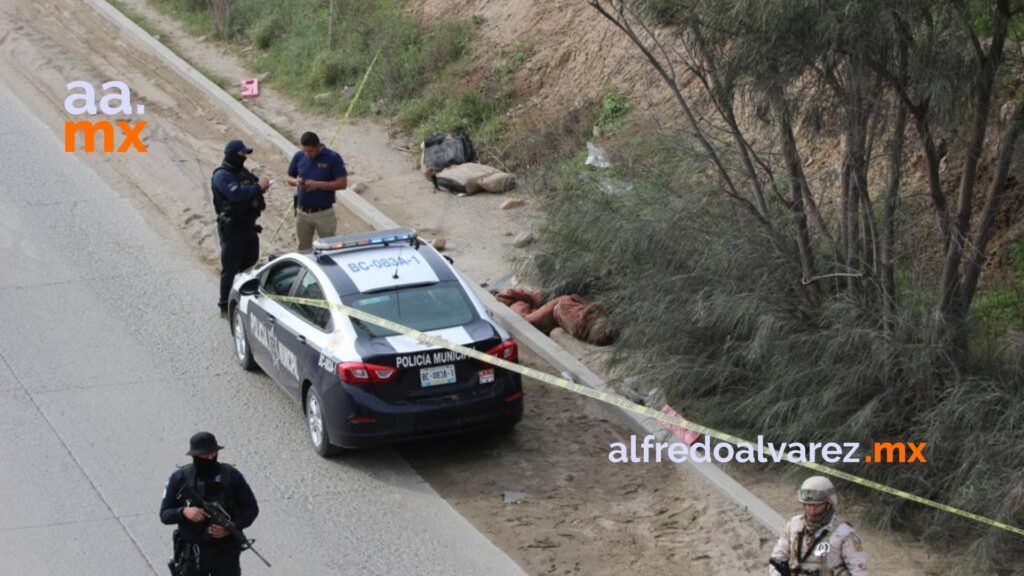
point(580, 514)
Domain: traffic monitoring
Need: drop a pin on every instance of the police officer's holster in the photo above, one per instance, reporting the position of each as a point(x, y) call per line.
point(180, 555)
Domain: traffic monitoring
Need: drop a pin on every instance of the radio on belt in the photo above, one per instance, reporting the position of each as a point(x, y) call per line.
point(378, 239)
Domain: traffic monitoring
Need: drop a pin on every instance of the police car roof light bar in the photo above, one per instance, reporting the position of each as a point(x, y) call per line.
point(365, 240)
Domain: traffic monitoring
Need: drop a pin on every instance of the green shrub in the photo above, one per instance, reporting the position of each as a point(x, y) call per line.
point(265, 31)
point(614, 109)
point(330, 69)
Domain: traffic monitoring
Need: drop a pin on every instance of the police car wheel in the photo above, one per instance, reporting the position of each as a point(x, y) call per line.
point(242, 351)
point(316, 425)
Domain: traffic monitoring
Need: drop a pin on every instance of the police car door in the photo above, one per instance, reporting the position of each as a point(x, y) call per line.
point(267, 348)
point(305, 330)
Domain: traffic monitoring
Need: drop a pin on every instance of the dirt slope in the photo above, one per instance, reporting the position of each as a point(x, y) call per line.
point(574, 53)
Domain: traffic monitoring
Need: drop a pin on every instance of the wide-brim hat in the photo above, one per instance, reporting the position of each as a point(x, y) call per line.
point(202, 443)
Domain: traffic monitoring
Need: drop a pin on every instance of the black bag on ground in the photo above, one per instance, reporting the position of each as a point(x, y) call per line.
point(441, 151)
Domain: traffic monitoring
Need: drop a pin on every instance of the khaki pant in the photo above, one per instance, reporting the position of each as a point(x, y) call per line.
point(324, 223)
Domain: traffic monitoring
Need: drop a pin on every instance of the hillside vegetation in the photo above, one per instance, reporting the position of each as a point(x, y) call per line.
point(772, 286)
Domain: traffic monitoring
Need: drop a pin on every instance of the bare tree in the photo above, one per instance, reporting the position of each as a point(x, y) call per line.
point(864, 72)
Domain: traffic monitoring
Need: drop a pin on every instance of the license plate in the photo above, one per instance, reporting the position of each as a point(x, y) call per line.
point(437, 375)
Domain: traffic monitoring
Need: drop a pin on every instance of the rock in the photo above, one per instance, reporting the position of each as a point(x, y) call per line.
point(613, 186)
point(596, 156)
point(513, 497)
point(323, 97)
point(502, 282)
point(568, 477)
point(498, 183)
point(464, 177)
point(523, 239)
point(655, 399)
point(632, 394)
point(439, 243)
point(507, 233)
point(359, 187)
point(513, 203)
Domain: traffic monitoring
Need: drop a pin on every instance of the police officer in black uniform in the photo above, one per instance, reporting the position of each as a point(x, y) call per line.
point(238, 200)
point(206, 548)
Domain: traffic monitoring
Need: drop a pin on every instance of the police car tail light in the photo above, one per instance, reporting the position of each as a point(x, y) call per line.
point(359, 373)
point(381, 374)
point(507, 350)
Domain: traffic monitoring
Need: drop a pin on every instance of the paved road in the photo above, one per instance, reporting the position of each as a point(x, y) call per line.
point(111, 355)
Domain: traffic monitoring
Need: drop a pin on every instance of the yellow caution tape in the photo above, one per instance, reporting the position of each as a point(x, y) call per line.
point(330, 143)
point(625, 404)
point(355, 98)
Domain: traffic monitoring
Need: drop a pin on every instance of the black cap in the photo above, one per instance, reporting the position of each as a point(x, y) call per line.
point(203, 443)
point(236, 146)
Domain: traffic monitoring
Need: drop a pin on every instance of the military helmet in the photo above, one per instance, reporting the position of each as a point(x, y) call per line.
point(817, 490)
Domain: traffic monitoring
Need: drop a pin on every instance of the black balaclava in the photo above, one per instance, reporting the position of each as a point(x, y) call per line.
point(235, 160)
point(205, 467)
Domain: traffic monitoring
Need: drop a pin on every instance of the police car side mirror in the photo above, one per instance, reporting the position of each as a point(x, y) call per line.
point(250, 287)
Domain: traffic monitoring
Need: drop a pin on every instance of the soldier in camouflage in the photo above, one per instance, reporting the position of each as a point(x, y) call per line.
point(818, 542)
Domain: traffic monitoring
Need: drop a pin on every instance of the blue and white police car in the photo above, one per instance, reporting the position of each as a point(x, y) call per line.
point(360, 384)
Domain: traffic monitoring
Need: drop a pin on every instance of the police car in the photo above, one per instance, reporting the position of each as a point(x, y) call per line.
point(360, 384)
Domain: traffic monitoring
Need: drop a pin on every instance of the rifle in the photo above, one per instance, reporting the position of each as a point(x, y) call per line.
point(220, 517)
point(781, 566)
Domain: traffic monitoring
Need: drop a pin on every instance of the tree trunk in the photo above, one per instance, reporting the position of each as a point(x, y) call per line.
point(953, 304)
point(794, 168)
point(887, 273)
point(993, 202)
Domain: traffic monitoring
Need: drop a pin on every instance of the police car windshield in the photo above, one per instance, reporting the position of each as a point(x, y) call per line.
point(424, 308)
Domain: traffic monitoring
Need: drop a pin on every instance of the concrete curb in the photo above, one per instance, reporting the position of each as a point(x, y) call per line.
point(524, 332)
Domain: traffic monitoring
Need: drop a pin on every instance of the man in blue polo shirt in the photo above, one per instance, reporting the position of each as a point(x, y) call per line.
point(317, 172)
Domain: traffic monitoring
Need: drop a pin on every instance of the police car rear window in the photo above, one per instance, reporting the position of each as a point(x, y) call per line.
point(423, 308)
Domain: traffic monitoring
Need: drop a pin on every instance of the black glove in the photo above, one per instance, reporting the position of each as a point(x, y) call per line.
point(781, 566)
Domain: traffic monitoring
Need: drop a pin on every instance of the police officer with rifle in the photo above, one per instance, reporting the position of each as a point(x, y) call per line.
point(238, 201)
point(211, 503)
